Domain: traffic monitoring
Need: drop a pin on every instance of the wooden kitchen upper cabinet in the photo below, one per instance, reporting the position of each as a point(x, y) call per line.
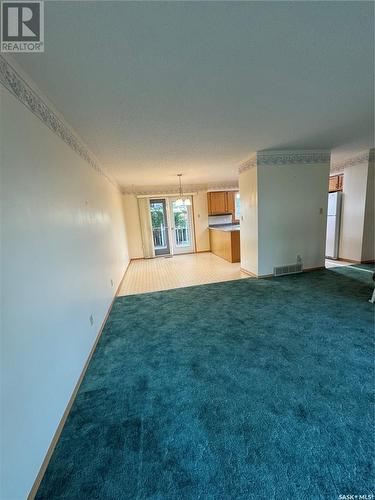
point(222, 202)
point(231, 201)
point(217, 202)
point(335, 183)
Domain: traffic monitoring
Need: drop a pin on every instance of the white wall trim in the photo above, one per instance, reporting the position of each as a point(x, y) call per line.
point(287, 157)
point(26, 92)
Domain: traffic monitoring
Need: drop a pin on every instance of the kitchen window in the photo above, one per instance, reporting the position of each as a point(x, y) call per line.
point(237, 207)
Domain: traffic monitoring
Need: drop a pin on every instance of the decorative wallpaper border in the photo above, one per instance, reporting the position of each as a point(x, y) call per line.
point(307, 157)
point(290, 157)
point(358, 159)
point(173, 189)
point(248, 164)
point(14, 82)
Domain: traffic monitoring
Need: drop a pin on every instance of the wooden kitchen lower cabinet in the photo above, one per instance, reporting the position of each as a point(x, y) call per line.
point(225, 244)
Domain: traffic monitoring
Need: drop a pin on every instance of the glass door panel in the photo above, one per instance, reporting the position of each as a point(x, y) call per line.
point(159, 222)
point(182, 227)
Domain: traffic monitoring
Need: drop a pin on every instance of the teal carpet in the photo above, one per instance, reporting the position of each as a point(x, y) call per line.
point(249, 389)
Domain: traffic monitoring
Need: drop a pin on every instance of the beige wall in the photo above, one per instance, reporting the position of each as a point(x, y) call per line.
point(202, 236)
point(283, 215)
point(353, 211)
point(133, 227)
point(368, 244)
point(63, 254)
point(249, 220)
point(292, 215)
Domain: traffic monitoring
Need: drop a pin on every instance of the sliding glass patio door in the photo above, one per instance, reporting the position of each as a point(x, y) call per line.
point(182, 230)
point(159, 220)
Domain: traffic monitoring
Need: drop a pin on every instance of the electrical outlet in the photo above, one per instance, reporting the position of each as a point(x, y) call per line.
point(91, 319)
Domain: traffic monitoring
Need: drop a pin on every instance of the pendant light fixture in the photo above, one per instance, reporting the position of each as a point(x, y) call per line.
point(181, 200)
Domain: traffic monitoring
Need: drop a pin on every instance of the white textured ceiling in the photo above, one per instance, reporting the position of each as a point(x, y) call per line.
point(157, 88)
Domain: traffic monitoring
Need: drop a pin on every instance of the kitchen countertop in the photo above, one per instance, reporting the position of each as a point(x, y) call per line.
point(225, 227)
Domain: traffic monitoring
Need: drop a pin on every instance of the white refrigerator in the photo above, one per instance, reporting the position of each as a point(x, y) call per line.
point(333, 225)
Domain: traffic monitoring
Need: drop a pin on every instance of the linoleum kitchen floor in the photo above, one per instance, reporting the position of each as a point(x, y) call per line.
point(161, 273)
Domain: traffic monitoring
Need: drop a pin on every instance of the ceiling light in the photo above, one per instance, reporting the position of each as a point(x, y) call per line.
point(181, 201)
